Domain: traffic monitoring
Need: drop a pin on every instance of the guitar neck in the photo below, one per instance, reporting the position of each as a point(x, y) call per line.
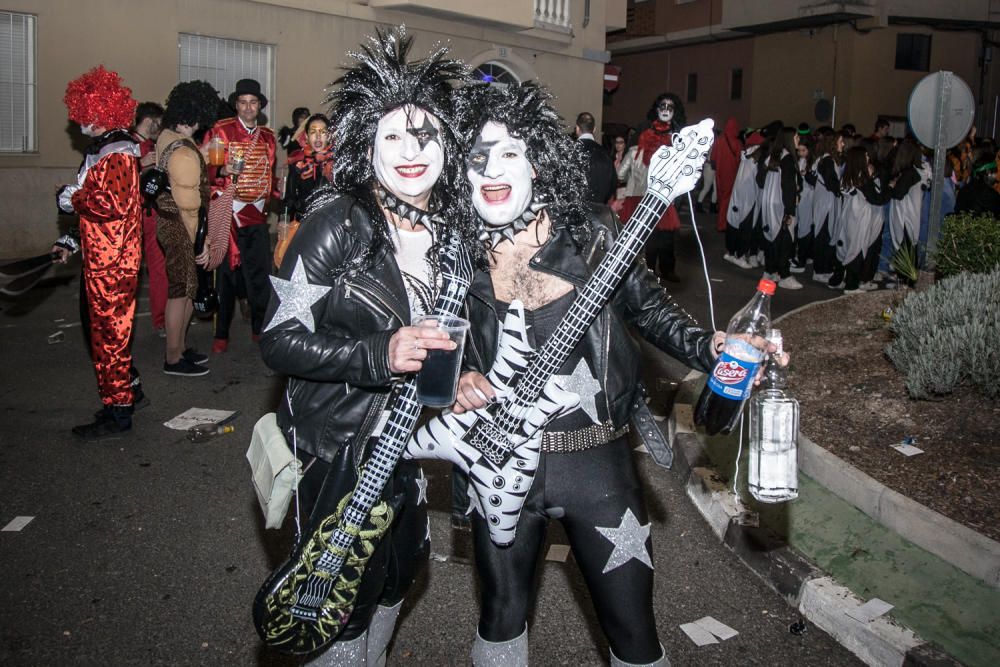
point(392, 441)
point(381, 463)
point(584, 309)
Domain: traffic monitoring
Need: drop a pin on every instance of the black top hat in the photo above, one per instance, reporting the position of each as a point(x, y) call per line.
point(247, 87)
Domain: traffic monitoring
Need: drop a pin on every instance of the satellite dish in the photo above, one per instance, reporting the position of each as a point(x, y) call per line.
point(925, 103)
point(823, 111)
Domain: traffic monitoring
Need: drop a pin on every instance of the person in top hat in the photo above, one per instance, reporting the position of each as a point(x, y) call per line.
point(241, 244)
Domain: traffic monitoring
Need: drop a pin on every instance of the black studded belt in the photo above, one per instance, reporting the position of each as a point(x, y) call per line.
point(595, 435)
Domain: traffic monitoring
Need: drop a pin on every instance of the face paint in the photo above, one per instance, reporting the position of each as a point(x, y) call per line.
point(88, 130)
point(407, 155)
point(501, 176)
point(665, 111)
point(318, 135)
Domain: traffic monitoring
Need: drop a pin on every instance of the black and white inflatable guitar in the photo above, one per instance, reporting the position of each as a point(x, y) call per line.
point(498, 445)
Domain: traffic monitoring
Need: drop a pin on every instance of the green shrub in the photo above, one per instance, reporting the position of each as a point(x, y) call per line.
point(969, 242)
point(904, 262)
point(947, 335)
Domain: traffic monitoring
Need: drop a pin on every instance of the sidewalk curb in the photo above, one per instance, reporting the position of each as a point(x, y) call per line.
point(969, 551)
point(881, 643)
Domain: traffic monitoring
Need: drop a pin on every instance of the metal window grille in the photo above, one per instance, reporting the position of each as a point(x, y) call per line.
point(222, 62)
point(17, 83)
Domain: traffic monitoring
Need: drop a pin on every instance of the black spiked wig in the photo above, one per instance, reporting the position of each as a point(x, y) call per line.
point(383, 79)
point(190, 103)
point(527, 112)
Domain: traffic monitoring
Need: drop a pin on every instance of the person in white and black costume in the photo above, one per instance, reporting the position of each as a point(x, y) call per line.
point(529, 189)
point(363, 264)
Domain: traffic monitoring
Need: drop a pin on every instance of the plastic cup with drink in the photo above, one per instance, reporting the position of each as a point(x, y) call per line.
point(437, 381)
point(217, 152)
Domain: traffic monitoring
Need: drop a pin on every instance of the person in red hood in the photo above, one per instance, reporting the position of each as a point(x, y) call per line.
point(726, 156)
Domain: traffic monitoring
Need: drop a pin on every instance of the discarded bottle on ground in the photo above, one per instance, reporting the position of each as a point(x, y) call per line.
point(731, 381)
point(203, 432)
point(774, 434)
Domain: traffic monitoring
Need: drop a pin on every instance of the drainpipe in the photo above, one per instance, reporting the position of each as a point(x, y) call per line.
point(586, 13)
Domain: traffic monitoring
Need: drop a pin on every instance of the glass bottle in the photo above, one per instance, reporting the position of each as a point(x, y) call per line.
point(204, 432)
point(774, 434)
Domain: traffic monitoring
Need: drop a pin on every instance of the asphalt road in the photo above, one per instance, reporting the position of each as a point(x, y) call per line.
point(148, 549)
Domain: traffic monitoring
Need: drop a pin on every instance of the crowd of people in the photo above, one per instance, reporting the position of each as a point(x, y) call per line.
point(434, 185)
point(184, 209)
point(789, 197)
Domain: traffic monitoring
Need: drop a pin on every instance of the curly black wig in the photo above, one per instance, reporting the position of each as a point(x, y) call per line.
point(191, 103)
point(526, 111)
point(680, 118)
point(382, 80)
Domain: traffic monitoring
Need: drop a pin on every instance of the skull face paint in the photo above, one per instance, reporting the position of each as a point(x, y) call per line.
point(407, 156)
point(665, 111)
point(500, 174)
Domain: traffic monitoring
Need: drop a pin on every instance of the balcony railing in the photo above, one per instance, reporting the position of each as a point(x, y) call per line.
point(553, 15)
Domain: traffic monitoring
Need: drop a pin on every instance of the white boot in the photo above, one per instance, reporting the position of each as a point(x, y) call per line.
point(662, 662)
point(380, 633)
point(350, 653)
point(511, 653)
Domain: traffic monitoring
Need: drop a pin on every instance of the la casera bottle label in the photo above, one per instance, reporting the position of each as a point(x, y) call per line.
point(732, 377)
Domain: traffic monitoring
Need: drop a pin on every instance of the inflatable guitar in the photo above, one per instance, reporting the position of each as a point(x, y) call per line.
point(306, 602)
point(498, 446)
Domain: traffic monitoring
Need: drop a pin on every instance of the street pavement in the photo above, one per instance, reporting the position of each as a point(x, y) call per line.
point(148, 549)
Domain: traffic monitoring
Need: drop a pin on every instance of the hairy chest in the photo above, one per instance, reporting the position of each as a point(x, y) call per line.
point(514, 278)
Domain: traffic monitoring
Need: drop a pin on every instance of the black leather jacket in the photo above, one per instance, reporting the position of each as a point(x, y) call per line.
point(338, 376)
point(638, 301)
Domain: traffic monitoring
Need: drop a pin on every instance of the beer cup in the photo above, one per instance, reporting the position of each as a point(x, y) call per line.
point(217, 152)
point(437, 380)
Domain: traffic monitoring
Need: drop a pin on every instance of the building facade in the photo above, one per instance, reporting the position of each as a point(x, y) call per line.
point(801, 61)
point(294, 47)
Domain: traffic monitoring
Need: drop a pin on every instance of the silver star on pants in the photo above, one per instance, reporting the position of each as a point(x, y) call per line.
point(629, 539)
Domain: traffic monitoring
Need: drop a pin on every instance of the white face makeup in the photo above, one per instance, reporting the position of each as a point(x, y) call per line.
point(408, 156)
point(500, 174)
point(89, 131)
point(665, 111)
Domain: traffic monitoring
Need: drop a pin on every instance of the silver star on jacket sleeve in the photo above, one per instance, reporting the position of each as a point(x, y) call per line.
point(296, 298)
point(629, 539)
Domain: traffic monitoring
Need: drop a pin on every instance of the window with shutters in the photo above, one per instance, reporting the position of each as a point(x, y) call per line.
point(17, 83)
point(223, 62)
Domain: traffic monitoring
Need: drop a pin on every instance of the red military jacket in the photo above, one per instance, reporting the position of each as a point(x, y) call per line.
point(257, 183)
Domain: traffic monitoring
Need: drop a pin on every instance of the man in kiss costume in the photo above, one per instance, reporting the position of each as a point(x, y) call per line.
point(106, 199)
point(529, 189)
point(249, 169)
point(363, 264)
point(666, 117)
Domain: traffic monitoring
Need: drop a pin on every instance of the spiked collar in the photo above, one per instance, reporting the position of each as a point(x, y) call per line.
point(429, 219)
point(506, 233)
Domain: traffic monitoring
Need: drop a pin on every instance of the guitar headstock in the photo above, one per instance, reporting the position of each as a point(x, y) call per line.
point(674, 170)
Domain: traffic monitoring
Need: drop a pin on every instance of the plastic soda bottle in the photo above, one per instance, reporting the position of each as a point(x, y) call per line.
point(731, 381)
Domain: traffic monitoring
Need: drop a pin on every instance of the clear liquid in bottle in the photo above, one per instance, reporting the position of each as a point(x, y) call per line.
point(774, 435)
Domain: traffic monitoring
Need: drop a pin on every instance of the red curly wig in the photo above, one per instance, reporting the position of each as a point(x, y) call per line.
point(98, 98)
